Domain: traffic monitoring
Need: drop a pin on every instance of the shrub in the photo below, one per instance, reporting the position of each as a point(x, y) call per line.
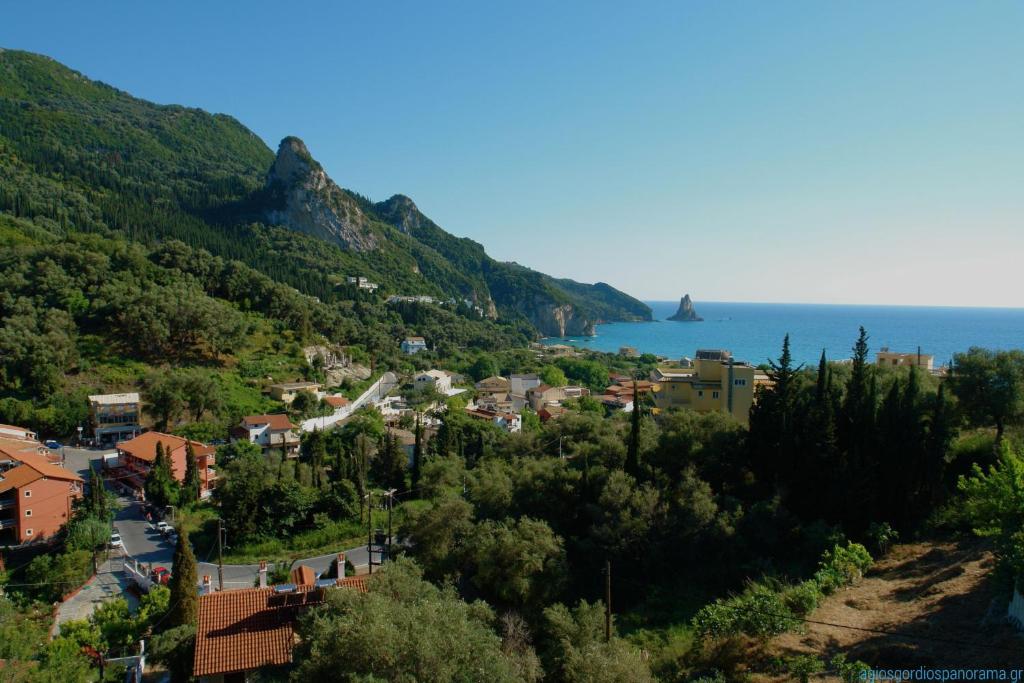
point(802, 598)
point(759, 612)
point(842, 566)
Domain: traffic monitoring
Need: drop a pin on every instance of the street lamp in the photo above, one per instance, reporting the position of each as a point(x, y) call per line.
point(79, 436)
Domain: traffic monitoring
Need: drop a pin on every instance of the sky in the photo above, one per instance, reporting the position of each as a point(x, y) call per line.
point(821, 152)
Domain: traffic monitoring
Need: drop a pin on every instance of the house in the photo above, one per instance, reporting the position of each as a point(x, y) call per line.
point(35, 496)
point(559, 351)
point(362, 283)
point(20, 433)
point(887, 358)
point(551, 412)
point(114, 417)
point(544, 394)
point(629, 352)
point(716, 382)
point(621, 395)
point(135, 458)
point(520, 384)
point(241, 631)
point(510, 422)
point(501, 403)
point(337, 402)
point(269, 432)
point(491, 386)
point(411, 345)
point(287, 391)
point(573, 391)
point(434, 380)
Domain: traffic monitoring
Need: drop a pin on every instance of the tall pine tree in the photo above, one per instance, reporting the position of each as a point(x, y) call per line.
point(161, 487)
point(97, 495)
point(417, 454)
point(633, 444)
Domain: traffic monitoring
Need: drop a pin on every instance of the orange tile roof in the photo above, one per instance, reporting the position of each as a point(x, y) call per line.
point(276, 422)
point(19, 476)
point(45, 467)
point(143, 446)
point(246, 629)
point(336, 401)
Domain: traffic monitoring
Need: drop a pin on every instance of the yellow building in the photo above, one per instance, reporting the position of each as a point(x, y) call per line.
point(888, 358)
point(714, 382)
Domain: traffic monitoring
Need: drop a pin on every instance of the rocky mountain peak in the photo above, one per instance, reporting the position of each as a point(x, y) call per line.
point(307, 200)
point(402, 212)
point(686, 312)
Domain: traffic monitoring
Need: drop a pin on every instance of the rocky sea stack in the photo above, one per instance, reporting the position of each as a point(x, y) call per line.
point(686, 312)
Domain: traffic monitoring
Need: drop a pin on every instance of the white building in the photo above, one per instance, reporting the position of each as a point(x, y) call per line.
point(269, 432)
point(437, 380)
point(411, 345)
point(520, 384)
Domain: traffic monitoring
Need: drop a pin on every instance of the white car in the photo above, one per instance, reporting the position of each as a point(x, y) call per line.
point(164, 527)
point(115, 541)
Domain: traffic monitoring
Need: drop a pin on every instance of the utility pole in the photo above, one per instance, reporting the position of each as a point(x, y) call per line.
point(369, 529)
point(608, 600)
point(220, 553)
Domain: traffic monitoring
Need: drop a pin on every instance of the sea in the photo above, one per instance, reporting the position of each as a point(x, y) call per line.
point(753, 332)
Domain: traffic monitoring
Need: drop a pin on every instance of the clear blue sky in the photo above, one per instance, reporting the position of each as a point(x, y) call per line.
point(848, 152)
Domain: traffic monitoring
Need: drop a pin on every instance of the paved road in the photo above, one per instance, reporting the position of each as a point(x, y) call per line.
point(246, 575)
point(110, 582)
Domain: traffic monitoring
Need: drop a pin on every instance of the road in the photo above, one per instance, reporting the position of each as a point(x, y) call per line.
point(145, 544)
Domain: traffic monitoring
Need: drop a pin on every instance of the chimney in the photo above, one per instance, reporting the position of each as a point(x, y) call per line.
point(341, 565)
point(207, 585)
point(263, 573)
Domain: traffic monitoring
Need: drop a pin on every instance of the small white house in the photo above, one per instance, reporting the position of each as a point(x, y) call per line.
point(520, 384)
point(437, 380)
point(411, 345)
point(269, 431)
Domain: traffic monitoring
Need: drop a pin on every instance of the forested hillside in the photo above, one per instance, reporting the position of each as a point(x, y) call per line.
point(81, 156)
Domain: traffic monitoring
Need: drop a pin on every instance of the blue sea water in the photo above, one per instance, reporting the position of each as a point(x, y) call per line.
point(754, 332)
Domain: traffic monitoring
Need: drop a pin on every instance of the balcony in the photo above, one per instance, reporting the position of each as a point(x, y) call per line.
point(7, 503)
point(8, 523)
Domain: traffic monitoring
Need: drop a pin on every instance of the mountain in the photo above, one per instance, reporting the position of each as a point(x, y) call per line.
point(77, 155)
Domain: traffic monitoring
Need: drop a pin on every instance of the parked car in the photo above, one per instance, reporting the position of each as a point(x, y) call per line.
point(55, 445)
point(164, 527)
point(160, 575)
point(116, 542)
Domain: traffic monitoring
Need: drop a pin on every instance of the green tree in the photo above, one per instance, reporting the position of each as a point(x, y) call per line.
point(164, 399)
point(994, 505)
point(633, 443)
point(98, 504)
point(575, 650)
point(403, 629)
point(520, 563)
point(990, 387)
point(191, 488)
point(390, 464)
point(553, 376)
point(184, 600)
point(202, 393)
point(438, 536)
point(305, 404)
point(417, 455)
point(160, 487)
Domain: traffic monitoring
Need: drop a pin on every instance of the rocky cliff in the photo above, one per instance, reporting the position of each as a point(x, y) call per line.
point(686, 312)
point(305, 199)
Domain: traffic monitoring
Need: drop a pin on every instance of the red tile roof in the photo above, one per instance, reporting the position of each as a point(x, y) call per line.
point(336, 401)
point(303, 576)
point(246, 629)
point(278, 422)
point(143, 446)
point(45, 467)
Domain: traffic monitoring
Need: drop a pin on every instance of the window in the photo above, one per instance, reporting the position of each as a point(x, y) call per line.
point(700, 393)
point(28, 532)
point(28, 494)
point(714, 394)
point(739, 382)
point(28, 513)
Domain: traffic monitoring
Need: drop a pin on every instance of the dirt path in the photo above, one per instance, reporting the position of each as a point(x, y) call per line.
point(937, 596)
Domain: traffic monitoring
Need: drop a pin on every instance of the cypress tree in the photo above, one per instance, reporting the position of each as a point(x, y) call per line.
point(192, 486)
point(417, 454)
point(97, 495)
point(184, 599)
point(160, 484)
point(633, 445)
